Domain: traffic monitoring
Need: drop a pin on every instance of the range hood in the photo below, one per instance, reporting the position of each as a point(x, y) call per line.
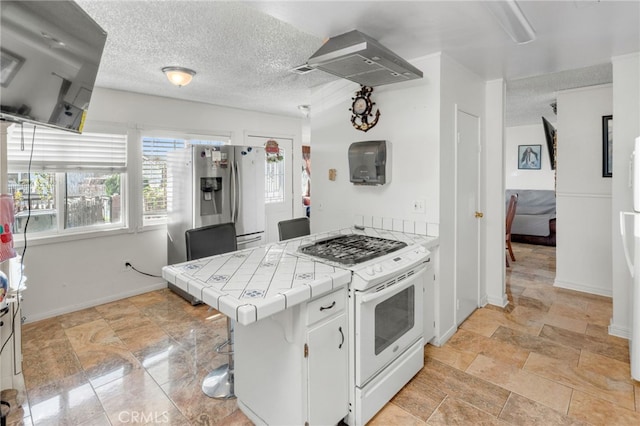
point(357, 57)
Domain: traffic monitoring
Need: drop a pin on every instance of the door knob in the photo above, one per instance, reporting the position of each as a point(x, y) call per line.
point(479, 214)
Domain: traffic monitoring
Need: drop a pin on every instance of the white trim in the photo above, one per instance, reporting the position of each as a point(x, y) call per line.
point(95, 302)
point(442, 339)
point(503, 302)
point(582, 288)
point(620, 331)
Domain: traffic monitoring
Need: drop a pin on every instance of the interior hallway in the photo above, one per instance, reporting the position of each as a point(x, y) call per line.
point(545, 359)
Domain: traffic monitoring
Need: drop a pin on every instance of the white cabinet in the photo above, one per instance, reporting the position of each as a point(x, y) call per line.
point(327, 371)
point(292, 367)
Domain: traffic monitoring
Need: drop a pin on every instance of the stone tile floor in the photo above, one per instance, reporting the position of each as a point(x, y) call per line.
point(544, 359)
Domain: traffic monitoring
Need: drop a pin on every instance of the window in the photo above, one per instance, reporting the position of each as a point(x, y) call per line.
point(274, 178)
point(154, 176)
point(65, 182)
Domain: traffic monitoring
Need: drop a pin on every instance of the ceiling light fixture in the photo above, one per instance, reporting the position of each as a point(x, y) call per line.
point(305, 110)
point(512, 20)
point(178, 75)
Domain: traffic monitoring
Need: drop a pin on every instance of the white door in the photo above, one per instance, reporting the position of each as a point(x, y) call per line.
point(279, 177)
point(468, 214)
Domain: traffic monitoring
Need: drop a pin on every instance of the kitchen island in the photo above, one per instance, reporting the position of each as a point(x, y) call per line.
point(294, 352)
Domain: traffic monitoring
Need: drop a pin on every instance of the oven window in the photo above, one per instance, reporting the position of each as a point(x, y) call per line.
point(393, 318)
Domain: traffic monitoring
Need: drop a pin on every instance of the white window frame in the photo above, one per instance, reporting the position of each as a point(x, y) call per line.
point(68, 162)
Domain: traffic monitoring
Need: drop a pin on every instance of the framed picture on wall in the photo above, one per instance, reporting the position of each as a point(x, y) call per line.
point(10, 63)
point(529, 157)
point(607, 146)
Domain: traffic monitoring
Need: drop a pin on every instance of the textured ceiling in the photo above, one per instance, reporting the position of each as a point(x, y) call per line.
point(243, 51)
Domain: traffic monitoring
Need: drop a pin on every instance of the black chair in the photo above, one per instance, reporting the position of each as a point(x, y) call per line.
point(293, 228)
point(208, 241)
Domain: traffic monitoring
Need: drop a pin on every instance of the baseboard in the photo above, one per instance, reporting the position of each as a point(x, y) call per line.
point(582, 288)
point(94, 302)
point(619, 331)
point(498, 301)
point(442, 339)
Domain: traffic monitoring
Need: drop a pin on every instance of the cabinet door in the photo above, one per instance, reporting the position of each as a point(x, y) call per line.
point(327, 372)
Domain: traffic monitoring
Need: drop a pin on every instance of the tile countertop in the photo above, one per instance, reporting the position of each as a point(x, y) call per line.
point(252, 284)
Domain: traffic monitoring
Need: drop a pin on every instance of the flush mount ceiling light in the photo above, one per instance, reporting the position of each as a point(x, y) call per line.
point(305, 110)
point(512, 20)
point(178, 75)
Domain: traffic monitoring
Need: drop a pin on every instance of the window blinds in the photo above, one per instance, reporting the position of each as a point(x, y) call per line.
point(60, 151)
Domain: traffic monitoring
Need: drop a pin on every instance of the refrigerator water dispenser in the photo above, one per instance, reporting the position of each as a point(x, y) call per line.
point(211, 201)
point(368, 163)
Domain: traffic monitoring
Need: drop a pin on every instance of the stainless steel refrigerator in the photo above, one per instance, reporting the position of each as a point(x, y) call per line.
point(208, 185)
point(633, 260)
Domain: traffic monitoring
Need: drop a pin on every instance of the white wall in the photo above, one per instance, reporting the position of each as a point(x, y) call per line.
point(492, 253)
point(583, 240)
point(626, 119)
point(67, 276)
point(418, 118)
point(527, 179)
point(408, 121)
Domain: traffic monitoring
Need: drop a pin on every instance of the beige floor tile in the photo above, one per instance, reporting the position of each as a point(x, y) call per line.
point(529, 385)
point(483, 322)
point(607, 346)
point(419, 399)
point(530, 343)
point(68, 401)
point(605, 366)
point(137, 396)
point(456, 412)
point(391, 414)
point(449, 356)
point(475, 344)
point(522, 411)
point(198, 408)
point(79, 317)
point(619, 392)
point(460, 385)
point(596, 411)
point(568, 323)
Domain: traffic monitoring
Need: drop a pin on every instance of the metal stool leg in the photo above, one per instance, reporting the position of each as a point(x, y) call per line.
point(219, 382)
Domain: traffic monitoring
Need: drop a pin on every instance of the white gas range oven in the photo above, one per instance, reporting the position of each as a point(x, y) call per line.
point(385, 312)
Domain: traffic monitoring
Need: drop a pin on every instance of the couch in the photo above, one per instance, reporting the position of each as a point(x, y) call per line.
point(535, 219)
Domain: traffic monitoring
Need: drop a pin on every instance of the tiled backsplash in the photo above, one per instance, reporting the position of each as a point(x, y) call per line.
point(400, 225)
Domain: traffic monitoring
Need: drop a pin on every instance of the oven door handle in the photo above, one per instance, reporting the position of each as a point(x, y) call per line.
point(366, 298)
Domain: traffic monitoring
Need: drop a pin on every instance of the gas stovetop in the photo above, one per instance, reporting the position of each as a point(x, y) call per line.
point(351, 249)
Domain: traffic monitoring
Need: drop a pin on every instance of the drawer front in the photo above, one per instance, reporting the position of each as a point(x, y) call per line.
point(326, 306)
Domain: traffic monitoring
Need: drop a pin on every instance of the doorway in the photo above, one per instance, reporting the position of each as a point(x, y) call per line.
point(279, 178)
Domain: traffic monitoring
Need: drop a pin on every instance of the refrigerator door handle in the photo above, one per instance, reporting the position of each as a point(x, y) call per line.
point(237, 193)
point(234, 195)
point(623, 228)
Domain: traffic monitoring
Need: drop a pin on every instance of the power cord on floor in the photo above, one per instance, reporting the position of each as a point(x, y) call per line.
point(129, 265)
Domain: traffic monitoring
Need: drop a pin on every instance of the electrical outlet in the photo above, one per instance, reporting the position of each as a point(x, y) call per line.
point(419, 206)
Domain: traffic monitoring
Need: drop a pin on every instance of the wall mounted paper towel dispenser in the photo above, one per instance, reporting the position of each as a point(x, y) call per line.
point(368, 163)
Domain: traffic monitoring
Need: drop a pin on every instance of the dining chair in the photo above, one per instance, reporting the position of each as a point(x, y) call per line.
point(511, 212)
point(293, 228)
point(203, 242)
point(210, 240)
